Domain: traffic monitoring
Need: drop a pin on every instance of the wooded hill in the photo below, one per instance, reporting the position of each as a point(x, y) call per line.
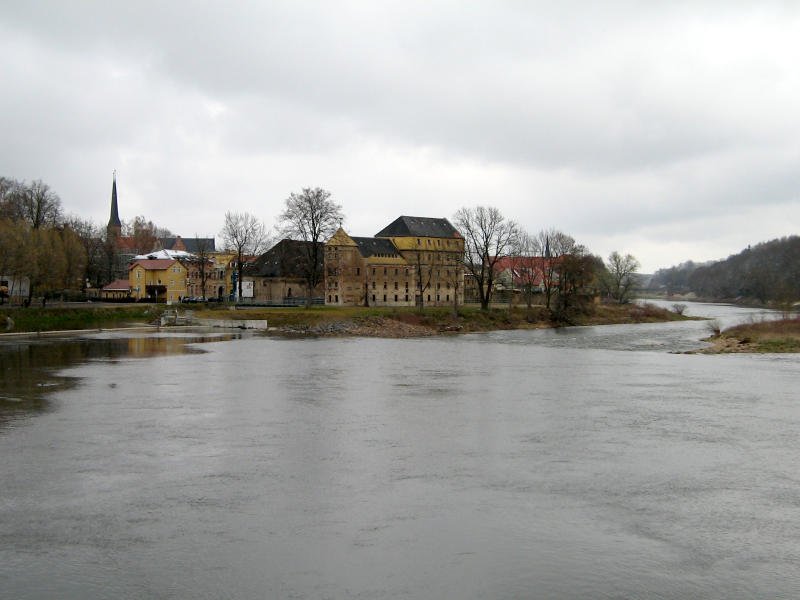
point(767, 272)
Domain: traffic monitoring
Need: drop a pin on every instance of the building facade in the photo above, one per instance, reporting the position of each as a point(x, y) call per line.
point(158, 280)
point(279, 275)
point(414, 261)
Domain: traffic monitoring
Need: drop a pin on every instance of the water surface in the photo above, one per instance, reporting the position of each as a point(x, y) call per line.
point(588, 462)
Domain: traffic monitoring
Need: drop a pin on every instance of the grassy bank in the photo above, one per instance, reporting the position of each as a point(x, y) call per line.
point(781, 335)
point(75, 317)
point(391, 322)
point(436, 319)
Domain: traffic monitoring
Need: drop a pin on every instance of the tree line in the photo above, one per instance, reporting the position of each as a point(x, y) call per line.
point(57, 252)
point(768, 272)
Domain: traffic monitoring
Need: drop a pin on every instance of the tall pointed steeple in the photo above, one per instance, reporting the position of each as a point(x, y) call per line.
point(114, 225)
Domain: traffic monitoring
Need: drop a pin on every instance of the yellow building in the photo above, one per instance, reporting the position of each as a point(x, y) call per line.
point(412, 262)
point(223, 268)
point(219, 269)
point(160, 280)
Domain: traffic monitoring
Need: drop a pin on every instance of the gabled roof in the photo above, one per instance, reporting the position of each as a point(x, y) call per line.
point(340, 238)
point(419, 227)
point(191, 245)
point(118, 285)
point(368, 246)
point(159, 264)
point(287, 258)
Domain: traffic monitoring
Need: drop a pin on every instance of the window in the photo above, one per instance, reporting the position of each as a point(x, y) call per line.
point(337, 298)
point(429, 297)
point(330, 298)
point(384, 297)
point(373, 270)
point(373, 297)
point(373, 285)
point(406, 297)
point(395, 285)
point(384, 285)
point(395, 271)
point(448, 297)
point(358, 271)
point(437, 297)
point(395, 297)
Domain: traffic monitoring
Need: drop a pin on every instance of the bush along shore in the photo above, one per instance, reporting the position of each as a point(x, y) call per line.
point(780, 335)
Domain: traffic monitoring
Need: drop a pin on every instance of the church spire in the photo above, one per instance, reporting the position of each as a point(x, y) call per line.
point(114, 224)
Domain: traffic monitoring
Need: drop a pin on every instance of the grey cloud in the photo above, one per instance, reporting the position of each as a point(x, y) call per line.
point(615, 116)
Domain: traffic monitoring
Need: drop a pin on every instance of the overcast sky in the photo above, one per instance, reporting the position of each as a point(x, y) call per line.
point(669, 130)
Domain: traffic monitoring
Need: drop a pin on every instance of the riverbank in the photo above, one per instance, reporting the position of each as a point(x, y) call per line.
point(410, 322)
point(336, 321)
point(78, 316)
point(777, 336)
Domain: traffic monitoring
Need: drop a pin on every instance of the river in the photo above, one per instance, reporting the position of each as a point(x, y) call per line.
point(590, 462)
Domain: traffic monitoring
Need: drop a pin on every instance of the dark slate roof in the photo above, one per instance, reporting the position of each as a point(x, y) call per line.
point(419, 226)
point(285, 259)
point(191, 244)
point(368, 246)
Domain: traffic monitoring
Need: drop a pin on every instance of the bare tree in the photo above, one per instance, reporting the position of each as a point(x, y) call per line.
point(488, 237)
point(454, 276)
point(527, 267)
point(311, 216)
point(145, 233)
point(551, 245)
point(620, 276)
point(8, 188)
point(423, 272)
point(34, 203)
point(244, 235)
point(90, 236)
point(577, 278)
point(202, 255)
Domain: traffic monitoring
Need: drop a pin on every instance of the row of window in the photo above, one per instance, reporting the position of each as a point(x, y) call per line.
point(438, 242)
point(334, 298)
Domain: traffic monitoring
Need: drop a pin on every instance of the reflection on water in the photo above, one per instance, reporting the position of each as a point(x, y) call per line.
point(28, 366)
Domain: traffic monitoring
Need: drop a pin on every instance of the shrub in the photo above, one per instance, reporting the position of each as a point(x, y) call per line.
point(678, 308)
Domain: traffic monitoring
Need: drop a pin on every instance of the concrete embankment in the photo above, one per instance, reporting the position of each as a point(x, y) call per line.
point(260, 324)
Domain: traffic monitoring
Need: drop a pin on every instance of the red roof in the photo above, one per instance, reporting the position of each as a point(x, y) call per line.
point(118, 285)
point(156, 264)
point(524, 269)
point(126, 243)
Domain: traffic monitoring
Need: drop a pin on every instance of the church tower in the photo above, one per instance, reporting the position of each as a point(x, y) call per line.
point(114, 227)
